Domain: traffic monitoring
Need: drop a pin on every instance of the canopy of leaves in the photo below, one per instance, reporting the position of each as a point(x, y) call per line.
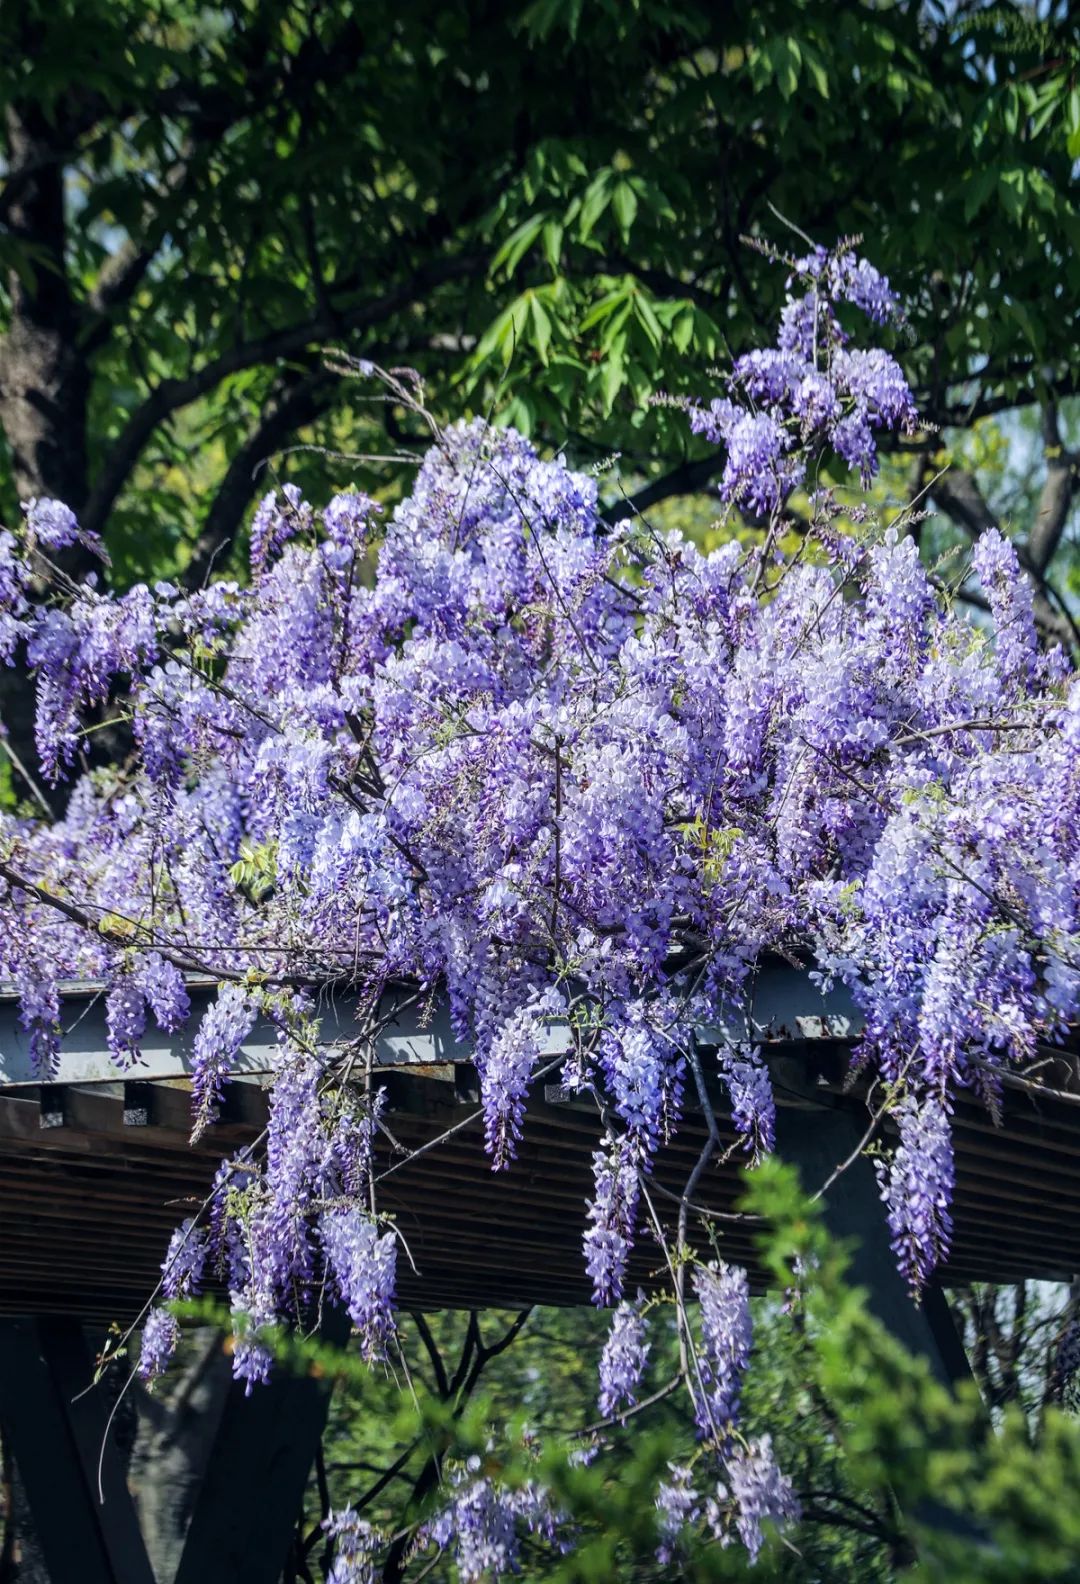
point(542, 207)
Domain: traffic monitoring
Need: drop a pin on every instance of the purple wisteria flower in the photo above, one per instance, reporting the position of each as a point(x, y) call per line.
point(636, 1062)
point(160, 1339)
point(225, 1025)
point(14, 606)
point(677, 1508)
point(278, 517)
point(356, 1545)
point(488, 752)
point(997, 567)
point(183, 1265)
point(612, 1218)
point(917, 1185)
point(163, 985)
point(39, 1015)
point(363, 1265)
point(252, 1310)
point(54, 526)
point(726, 1332)
point(855, 280)
point(481, 1525)
point(753, 1106)
point(812, 390)
point(622, 1363)
point(125, 1022)
point(505, 1072)
point(757, 1491)
point(349, 518)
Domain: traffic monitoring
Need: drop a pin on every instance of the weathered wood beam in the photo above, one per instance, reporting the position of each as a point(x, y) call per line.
point(819, 1139)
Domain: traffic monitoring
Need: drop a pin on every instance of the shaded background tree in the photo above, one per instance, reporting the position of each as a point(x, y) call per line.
point(542, 208)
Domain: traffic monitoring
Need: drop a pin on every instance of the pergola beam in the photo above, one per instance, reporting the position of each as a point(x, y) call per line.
point(784, 1005)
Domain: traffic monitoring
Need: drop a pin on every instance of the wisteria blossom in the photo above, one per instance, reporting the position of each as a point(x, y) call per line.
point(917, 1185)
point(726, 1333)
point(623, 1360)
point(160, 1339)
point(356, 1546)
point(487, 753)
point(612, 1218)
point(677, 1507)
point(483, 1523)
point(362, 1264)
point(184, 1263)
point(753, 1108)
point(755, 1489)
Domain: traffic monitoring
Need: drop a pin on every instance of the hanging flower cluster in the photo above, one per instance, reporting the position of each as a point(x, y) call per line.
point(482, 1523)
point(507, 756)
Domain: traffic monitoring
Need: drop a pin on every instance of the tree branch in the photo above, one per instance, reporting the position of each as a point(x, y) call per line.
point(960, 497)
point(1058, 492)
point(442, 1383)
point(290, 340)
point(686, 479)
point(295, 400)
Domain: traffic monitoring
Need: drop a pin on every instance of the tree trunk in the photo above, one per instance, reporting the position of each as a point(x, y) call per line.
point(44, 373)
point(44, 379)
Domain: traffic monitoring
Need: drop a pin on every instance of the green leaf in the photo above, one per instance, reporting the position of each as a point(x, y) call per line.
point(544, 17)
point(615, 326)
point(517, 244)
point(1072, 121)
point(978, 190)
point(604, 308)
point(596, 200)
point(682, 331)
point(646, 317)
point(625, 204)
point(552, 243)
point(1011, 115)
point(816, 67)
point(494, 336)
point(785, 57)
point(541, 327)
point(612, 376)
point(1012, 187)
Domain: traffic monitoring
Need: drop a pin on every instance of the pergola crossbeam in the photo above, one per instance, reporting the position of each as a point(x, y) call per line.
point(784, 1005)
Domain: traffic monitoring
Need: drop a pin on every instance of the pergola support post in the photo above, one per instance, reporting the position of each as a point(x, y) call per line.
point(56, 1431)
point(817, 1139)
point(250, 1498)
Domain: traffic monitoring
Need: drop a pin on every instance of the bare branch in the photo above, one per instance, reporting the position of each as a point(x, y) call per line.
point(442, 1383)
point(960, 497)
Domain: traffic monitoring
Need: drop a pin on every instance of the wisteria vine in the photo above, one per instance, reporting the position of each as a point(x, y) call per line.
point(497, 752)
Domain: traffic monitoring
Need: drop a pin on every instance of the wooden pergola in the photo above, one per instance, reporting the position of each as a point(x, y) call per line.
point(96, 1169)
